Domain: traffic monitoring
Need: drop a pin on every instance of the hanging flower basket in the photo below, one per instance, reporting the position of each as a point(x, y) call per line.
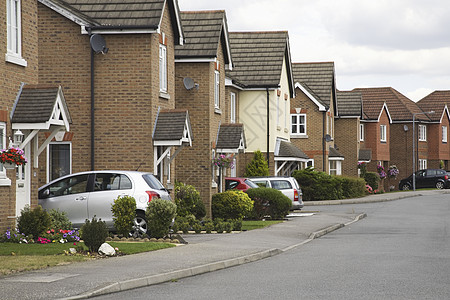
point(223, 161)
point(12, 157)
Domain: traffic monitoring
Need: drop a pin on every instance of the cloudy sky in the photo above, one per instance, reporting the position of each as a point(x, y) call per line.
point(404, 44)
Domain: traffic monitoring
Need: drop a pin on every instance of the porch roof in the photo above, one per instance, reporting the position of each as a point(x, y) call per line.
point(172, 128)
point(231, 138)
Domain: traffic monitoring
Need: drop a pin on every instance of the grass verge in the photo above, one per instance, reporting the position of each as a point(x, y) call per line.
point(250, 225)
point(25, 257)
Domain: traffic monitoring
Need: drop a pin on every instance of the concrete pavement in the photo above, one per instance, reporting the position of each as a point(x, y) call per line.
point(203, 253)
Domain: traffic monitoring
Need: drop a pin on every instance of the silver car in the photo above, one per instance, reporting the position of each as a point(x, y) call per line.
point(287, 185)
point(87, 194)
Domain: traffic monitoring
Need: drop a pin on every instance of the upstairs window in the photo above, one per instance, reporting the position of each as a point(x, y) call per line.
point(162, 68)
point(216, 89)
point(361, 132)
point(233, 109)
point(14, 33)
point(298, 124)
point(383, 133)
point(444, 134)
point(422, 133)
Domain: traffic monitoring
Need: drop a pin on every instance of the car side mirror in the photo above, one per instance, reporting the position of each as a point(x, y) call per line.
point(46, 193)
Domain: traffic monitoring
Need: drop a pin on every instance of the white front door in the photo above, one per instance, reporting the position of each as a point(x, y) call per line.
point(23, 183)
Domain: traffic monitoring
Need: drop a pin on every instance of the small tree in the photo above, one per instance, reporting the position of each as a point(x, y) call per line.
point(160, 214)
point(124, 212)
point(33, 221)
point(94, 233)
point(258, 166)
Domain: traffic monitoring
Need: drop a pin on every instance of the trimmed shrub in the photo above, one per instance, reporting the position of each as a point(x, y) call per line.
point(59, 220)
point(124, 212)
point(372, 179)
point(353, 187)
point(231, 205)
point(94, 233)
point(269, 202)
point(209, 226)
point(319, 185)
point(188, 201)
point(160, 214)
point(257, 166)
point(33, 221)
point(197, 227)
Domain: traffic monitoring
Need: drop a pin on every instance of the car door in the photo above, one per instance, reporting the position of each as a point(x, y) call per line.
point(430, 179)
point(70, 195)
point(420, 179)
point(107, 188)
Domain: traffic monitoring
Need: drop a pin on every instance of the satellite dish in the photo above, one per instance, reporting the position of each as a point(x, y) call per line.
point(327, 138)
point(98, 44)
point(405, 128)
point(188, 83)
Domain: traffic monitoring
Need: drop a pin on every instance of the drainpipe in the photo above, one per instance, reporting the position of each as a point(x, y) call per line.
point(323, 141)
point(92, 111)
point(268, 128)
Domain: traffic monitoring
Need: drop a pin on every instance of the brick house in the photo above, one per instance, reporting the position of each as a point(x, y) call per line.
point(397, 119)
point(201, 63)
point(116, 63)
point(347, 129)
point(262, 77)
point(439, 148)
point(313, 111)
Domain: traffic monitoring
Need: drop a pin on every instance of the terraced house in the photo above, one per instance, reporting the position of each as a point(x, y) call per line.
point(262, 75)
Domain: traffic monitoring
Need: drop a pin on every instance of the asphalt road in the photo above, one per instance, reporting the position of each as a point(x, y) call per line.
point(400, 251)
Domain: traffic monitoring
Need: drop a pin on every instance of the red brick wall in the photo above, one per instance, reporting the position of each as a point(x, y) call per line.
point(347, 139)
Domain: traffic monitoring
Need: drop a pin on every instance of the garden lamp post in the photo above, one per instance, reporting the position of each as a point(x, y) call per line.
point(414, 144)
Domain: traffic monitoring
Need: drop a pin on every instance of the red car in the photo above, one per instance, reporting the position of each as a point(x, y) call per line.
point(239, 183)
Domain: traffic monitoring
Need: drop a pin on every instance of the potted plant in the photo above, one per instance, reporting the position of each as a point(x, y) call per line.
point(12, 157)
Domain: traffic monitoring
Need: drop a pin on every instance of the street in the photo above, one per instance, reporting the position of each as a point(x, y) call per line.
point(400, 251)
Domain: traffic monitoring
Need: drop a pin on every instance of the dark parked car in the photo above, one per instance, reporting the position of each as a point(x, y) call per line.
point(239, 183)
point(428, 178)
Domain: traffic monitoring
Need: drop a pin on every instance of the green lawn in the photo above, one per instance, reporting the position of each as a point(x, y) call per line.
point(250, 225)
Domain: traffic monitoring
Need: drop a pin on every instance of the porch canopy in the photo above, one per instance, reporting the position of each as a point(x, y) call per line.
point(40, 108)
point(288, 158)
point(230, 139)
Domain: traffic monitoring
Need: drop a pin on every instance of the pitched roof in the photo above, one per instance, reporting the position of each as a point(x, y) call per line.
point(319, 77)
point(349, 104)
point(172, 127)
point(204, 30)
point(113, 14)
point(333, 152)
point(365, 155)
point(436, 101)
point(400, 107)
point(231, 138)
point(40, 104)
point(288, 149)
point(258, 58)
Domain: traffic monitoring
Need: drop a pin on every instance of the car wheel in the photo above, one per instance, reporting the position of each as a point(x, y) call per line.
point(406, 187)
point(440, 185)
point(140, 226)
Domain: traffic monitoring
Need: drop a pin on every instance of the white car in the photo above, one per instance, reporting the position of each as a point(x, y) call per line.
point(287, 185)
point(87, 194)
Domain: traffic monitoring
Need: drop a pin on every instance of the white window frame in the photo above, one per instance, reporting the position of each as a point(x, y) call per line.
point(48, 157)
point(14, 33)
point(444, 134)
point(162, 68)
point(422, 133)
point(216, 90)
point(361, 132)
point(233, 107)
point(298, 124)
point(335, 171)
point(422, 164)
point(383, 131)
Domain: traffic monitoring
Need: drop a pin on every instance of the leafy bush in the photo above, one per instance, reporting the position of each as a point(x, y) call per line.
point(59, 219)
point(160, 214)
point(269, 202)
point(257, 166)
point(319, 185)
point(124, 212)
point(353, 187)
point(231, 205)
point(197, 227)
point(33, 221)
point(188, 201)
point(209, 226)
point(94, 233)
point(372, 179)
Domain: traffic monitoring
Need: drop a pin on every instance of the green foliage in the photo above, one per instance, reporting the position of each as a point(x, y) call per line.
point(319, 185)
point(231, 205)
point(197, 227)
point(33, 221)
point(94, 233)
point(209, 225)
point(59, 220)
point(372, 179)
point(220, 227)
point(269, 202)
point(160, 214)
point(188, 201)
point(353, 187)
point(237, 225)
point(228, 226)
point(257, 166)
point(124, 211)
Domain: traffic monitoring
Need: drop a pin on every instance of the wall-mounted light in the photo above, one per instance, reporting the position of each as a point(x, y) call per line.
point(18, 137)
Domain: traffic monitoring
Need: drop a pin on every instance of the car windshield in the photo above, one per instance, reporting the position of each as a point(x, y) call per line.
point(153, 182)
point(251, 183)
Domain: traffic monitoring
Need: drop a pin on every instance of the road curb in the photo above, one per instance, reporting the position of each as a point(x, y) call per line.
point(202, 269)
